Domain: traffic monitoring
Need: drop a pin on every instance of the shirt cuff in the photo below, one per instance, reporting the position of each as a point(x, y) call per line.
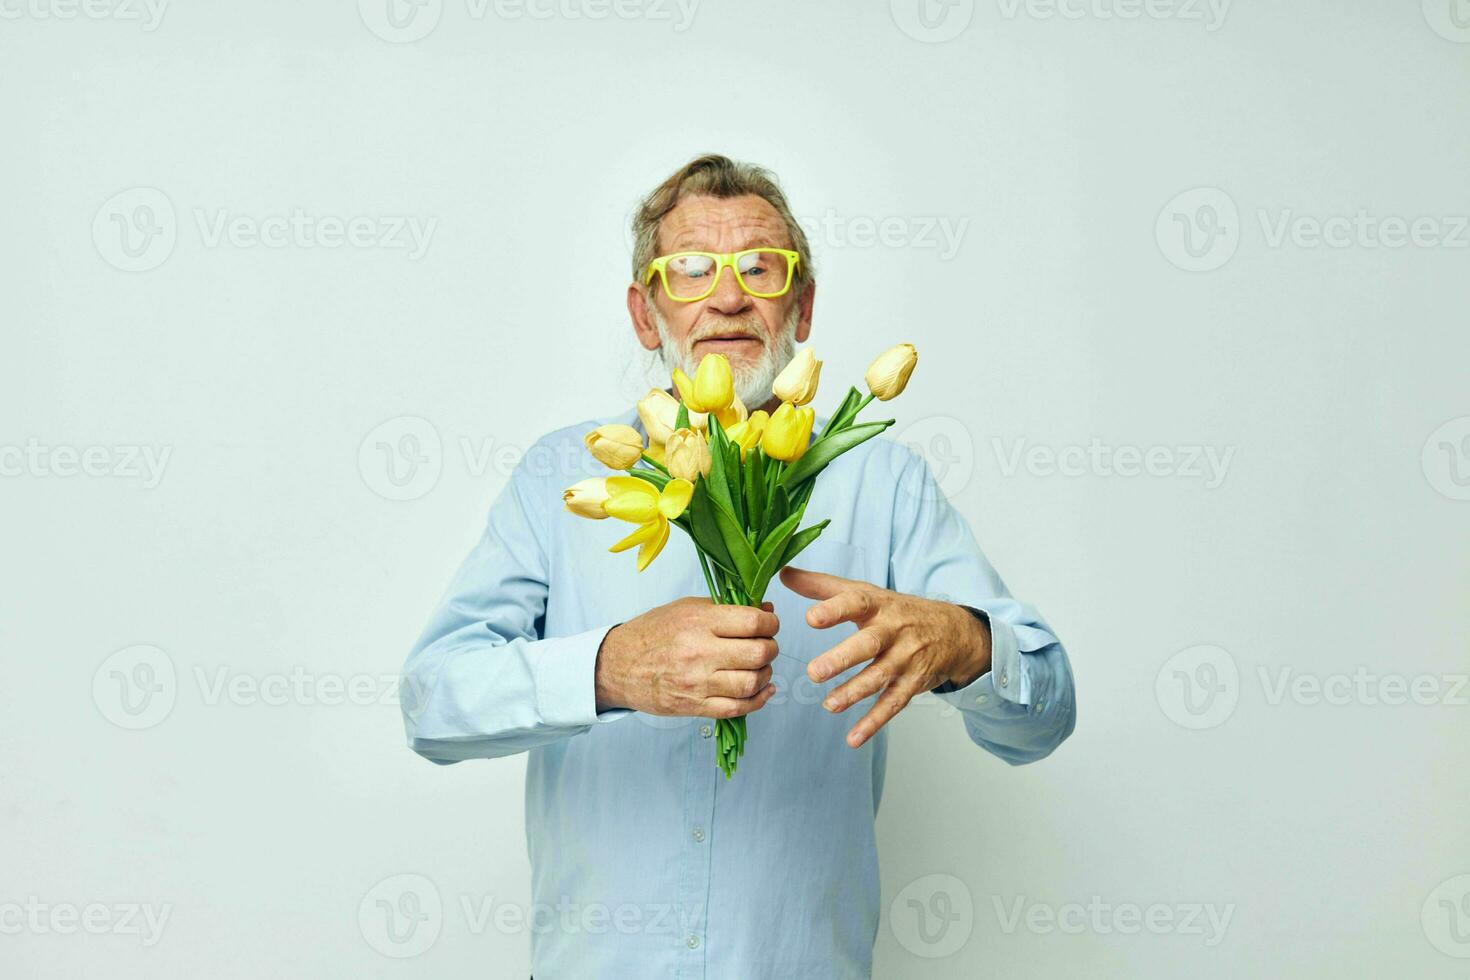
point(1007, 676)
point(566, 681)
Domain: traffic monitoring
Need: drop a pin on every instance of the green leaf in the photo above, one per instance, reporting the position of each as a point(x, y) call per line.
point(735, 473)
point(681, 418)
point(769, 556)
point(843, 415)
point(777, 509)
point(719, 483)
point(800, 540)
point(706, 530)
point(755, 486)
point(734, 536)
point(821, 453)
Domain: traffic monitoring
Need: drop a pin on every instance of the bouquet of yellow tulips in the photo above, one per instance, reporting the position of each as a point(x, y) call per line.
point(736, 482)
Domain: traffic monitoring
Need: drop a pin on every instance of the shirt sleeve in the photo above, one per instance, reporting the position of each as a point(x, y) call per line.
point(1025, 705)
point(481, 681)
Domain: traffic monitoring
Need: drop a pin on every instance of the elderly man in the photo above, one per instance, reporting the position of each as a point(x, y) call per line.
point(646, 862)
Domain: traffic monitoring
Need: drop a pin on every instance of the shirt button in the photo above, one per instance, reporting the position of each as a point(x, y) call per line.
point(1004, 679)
point(692, 942)
point(699, 834)
point(1040, 703)
point(981, 699)
point(706, 731)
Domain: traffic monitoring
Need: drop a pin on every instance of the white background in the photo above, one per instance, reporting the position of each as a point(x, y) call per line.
point(1071, 313)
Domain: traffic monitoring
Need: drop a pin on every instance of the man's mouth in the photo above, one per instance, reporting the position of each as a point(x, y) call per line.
point(723, 341)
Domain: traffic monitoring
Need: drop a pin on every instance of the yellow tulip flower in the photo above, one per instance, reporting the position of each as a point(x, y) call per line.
point(638, 501)
point(787, 433)
point(797, 382)
point(713, 385)
point(732, 414)
point(889, 373)
point(616, 446)
point(747, 433)
point(658, 409)
point(687, 454)
point(587, 497)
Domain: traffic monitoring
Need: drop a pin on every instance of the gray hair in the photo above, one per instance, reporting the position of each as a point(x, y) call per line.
point(713, 175)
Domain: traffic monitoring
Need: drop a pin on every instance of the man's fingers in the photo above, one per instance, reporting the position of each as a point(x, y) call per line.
point(739, 621)
point(853, 605)
point(748, 653)
point(863, 645)
point(814, 585)
point(738, 684)
point(869, 681)
point(892, 701)
point(735, 707)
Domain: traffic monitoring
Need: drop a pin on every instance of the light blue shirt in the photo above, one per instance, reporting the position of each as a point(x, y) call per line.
point(646, 862)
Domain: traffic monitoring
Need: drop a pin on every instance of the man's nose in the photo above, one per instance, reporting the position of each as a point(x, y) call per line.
point(728, 297)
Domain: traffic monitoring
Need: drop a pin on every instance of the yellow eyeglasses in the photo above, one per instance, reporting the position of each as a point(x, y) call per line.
point(691, 276)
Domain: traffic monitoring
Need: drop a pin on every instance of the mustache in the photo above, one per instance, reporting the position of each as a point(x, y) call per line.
point(735, 329)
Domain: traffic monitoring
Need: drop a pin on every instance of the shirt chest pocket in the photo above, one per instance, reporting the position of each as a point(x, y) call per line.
point(796, 639)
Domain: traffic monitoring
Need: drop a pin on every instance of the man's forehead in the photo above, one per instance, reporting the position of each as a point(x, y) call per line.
point(723, 224)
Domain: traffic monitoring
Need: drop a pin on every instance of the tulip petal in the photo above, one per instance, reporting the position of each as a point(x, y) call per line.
point(643, 533)
point(653, 545)
point(675, 497)
point(685, 387)
point(631, 499)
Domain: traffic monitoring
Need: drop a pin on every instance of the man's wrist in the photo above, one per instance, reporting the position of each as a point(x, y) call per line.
point(975, 643)
point(605, 694)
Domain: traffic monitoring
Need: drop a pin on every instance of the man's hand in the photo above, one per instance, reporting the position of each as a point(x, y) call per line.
point(690, 658)
point(915, 644)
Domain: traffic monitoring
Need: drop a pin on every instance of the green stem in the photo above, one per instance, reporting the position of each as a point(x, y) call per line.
point(704, 567)
point(655, 464)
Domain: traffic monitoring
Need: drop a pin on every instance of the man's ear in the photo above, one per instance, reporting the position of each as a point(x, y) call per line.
point(805, 301)
point(642, 322)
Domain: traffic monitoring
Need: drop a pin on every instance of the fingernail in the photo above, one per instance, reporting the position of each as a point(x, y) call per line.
point(830, 704)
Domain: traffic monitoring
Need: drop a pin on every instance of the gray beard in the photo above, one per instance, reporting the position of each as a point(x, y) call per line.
point(752, 381)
